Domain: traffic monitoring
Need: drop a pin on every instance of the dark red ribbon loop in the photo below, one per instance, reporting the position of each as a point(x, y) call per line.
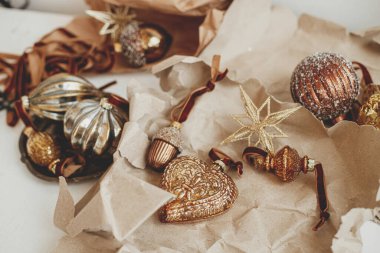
point(216, 154)
point(366, 75)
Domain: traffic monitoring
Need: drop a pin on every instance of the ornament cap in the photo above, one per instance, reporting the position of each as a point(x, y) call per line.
point(176, 124)
point(25, 102)
point(105, 104)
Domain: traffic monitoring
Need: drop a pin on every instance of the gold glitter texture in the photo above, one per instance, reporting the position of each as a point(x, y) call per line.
point(369, 113)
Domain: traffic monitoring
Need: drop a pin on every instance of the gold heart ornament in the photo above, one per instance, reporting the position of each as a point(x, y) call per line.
point(202, 190)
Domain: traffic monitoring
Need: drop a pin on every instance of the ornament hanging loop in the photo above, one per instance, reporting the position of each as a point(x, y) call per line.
point(185, 107)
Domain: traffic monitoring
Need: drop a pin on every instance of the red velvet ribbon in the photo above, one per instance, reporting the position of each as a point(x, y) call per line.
point(216, 154)
point(366, 75)
point(71, 55)
point(186, 107)
point(322, 196)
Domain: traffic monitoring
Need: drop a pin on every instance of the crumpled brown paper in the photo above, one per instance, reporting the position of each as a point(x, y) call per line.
point(191, 23)
point(269, 215)
point(178, 7)
point(261, 48)
point(109, 206)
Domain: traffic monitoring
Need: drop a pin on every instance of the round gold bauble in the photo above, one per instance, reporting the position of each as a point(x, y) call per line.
point(42, 148)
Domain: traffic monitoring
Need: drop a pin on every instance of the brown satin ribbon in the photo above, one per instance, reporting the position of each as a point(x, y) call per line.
point(249, 156)
point(48, 57)
point(216, 154)
point(186, 106)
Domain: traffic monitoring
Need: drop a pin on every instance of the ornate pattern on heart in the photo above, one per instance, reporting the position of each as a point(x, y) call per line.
point(202, 190)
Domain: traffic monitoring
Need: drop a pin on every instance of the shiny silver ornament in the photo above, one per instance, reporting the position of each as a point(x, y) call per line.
point(93, 126)
point(52, 97)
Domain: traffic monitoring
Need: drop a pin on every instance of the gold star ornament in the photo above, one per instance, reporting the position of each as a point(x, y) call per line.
point(114, 19)
point(255, 130)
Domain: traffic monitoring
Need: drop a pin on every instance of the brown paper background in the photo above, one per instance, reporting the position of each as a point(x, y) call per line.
point(179, 7)
point(261, 49)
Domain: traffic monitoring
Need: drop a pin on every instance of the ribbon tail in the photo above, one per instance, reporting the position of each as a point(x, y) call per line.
point(322, 196)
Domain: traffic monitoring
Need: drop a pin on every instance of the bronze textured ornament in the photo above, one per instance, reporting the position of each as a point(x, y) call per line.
point(140, 43)
point(94, 127)
point(286, 164)
point(166, 143)
point(56, 94)
point(203, 191)
point(326, 84)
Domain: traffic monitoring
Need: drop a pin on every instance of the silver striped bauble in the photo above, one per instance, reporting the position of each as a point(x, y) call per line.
point(94, 127)
point(52, 97)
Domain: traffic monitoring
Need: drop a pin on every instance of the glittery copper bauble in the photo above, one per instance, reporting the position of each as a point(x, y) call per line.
point(143, 43)
point(42, 148)
point(326, 84)
point(166, 145)
point(202, 190)
point(369, 113)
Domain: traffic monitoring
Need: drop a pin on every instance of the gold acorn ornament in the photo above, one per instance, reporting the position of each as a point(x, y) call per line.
point(286, 164)
point(326, 84)
point(203, 191)
point(52, 97)
point(140, 43)
point(95, 126)
point(167, 143)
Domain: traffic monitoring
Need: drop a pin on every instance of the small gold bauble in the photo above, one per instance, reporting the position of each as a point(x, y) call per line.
point(369, 113)
point(42, 148)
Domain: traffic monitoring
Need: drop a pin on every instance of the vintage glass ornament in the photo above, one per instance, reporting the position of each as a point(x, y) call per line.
point(326, 84)
point(286, 164)
point(143, 43)
point(202, 190)
point(369, 113)
point(140, 43)
point(51, 98)
point(42, 148)
point(94, 127)
point(166, 145)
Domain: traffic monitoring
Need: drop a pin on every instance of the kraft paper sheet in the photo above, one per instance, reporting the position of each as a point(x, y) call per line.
point(192, 24)
point(261, 49)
